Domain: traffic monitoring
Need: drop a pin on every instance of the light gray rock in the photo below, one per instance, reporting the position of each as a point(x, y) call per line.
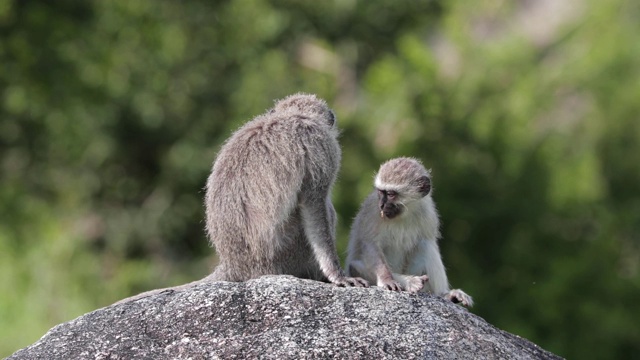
point(281, 317)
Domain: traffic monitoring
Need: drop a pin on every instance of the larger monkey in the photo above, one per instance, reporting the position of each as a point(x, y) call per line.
point(267, 199)
point(394, 238)
point(268, 196)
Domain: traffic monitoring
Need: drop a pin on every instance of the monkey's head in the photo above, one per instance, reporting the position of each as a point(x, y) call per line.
point(306, 105)
point(400, 182)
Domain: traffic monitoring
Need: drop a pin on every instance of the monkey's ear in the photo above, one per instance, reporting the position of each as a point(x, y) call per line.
point(424, 185)
point(332, 118)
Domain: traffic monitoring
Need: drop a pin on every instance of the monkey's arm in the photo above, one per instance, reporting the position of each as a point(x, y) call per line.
point(318, 216)
point(373, 267)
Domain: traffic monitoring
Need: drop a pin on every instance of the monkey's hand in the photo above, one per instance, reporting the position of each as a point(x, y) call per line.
point(459, 296)
point(349, 281)
point(416, 283)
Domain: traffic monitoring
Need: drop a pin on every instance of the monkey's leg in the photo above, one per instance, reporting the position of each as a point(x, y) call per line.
point(426, 260)
point(376, 266)
point(357, 268)
point(378, 273)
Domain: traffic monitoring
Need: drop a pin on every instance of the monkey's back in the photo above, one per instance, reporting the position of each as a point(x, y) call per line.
point(252, 194)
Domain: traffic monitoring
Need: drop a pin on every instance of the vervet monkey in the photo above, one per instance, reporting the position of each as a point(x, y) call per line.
point(268, 205)
point(267, 200)
point(394, 238)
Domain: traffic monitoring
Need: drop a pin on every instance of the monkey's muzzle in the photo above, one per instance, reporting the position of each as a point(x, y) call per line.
point(389, 211)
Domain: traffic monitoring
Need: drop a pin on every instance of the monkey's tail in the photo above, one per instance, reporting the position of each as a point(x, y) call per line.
point(218, 274)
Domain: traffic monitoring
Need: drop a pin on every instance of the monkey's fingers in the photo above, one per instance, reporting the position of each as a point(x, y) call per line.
point(344, 281)
point(466, 301)
point(393, 286)
point(358, 282)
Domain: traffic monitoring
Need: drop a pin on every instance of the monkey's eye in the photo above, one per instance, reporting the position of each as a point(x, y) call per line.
point(392, 194)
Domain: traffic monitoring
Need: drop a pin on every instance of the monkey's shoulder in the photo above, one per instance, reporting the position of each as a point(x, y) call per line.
point(295, 133)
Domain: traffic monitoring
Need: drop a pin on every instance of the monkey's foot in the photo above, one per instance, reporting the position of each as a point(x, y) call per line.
point(416, 283)
point(389, 284)
point(350, 281)
point(459, 296)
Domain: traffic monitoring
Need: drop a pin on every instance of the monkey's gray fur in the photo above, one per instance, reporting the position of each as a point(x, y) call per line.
point(268, 196)
point(268, 204)
point(394, 237)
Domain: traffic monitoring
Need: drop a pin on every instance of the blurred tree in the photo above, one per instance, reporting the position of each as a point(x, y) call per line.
point(112, 113)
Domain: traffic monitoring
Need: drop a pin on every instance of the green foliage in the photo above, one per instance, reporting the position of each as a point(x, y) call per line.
point(111, 113)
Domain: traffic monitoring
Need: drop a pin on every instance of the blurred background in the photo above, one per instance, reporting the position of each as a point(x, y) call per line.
point(111, 113)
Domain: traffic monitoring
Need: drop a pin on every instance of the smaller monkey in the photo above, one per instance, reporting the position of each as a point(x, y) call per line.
point(394, 237)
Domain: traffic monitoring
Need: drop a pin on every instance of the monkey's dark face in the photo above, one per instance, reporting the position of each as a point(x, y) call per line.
point(392, 202)
point(389, 204)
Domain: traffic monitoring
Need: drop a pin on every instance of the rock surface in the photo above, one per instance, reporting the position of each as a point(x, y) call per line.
point(281, 317)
